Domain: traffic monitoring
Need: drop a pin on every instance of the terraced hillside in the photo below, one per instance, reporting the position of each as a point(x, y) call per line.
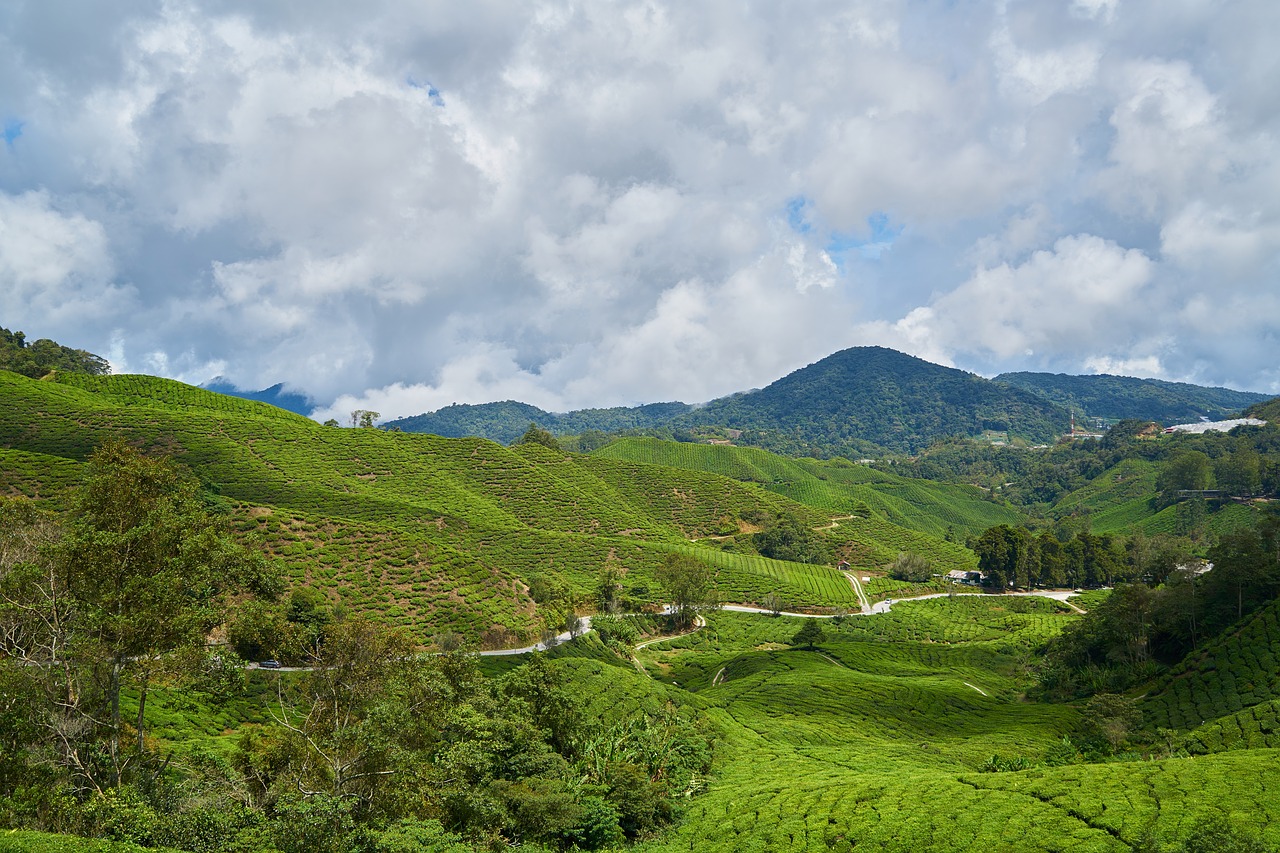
point(1236, 672)
point(883, 738)
point(426, 532)
point(836, 486)
point(1121, 500)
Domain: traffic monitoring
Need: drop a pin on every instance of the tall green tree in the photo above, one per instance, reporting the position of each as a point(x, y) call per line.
point(689, 584)
point(128, 592)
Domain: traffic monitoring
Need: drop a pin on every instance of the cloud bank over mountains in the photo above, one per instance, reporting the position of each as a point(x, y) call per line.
point(398, 206)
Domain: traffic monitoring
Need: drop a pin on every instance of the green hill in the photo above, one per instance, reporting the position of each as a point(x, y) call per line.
point(836, 486)
point(1120, 397)
point(875, 396)
point(1234, 672)
point(856, 402)
point(506, 421)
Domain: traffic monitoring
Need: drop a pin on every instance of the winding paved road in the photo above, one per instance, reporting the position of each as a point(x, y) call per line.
point(868, 609)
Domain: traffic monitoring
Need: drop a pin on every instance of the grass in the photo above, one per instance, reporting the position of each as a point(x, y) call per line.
point(23, 841)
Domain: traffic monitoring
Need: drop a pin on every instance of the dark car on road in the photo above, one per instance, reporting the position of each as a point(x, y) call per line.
point(269, 664)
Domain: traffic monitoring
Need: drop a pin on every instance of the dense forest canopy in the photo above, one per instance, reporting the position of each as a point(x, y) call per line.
point(1120, 397)
point(39, 358)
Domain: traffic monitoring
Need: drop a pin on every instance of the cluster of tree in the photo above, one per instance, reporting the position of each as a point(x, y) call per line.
point(379, 740)
point(373, 747)
point(1235, 472)
point(119, 595)
point(689, 585)
point(41, 357)
point(537, 435)
point(1140, 627)
point(1016, 557)
point(788, 538)
point(912, 567)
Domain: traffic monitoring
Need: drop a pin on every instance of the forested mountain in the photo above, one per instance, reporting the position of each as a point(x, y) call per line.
point(1119, 397)
point(876, 396)
point(506, 421)
point(856, 402)
point(38, 358)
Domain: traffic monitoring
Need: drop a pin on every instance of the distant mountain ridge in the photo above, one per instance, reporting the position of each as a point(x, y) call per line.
point(883, 397)
point(867, 401)
point(1118, 397)
point(506, 421)
point(275, 395)
point(862, 400)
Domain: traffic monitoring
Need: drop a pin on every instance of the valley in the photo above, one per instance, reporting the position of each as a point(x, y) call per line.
point(913, 717)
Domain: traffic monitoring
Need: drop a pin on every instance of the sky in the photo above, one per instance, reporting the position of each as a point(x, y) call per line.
point(401, 205)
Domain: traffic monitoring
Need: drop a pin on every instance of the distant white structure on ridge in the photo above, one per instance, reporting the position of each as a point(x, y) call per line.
point(1214, 426)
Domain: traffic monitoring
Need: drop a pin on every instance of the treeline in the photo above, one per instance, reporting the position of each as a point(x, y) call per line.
point(372, 747)
point(40, 357)
point(1016, 557)
point(1143, 626)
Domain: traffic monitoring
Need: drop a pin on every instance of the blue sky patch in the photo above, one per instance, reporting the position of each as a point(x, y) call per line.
point(882, 233)
point(432, 92)
point(12, 130)
point(798, 214)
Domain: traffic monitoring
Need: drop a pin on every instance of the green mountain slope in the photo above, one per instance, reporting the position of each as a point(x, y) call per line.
point(1119, 397)
point(873, 395)
point(1232, 673)
point(835, 486)
point(858, 401)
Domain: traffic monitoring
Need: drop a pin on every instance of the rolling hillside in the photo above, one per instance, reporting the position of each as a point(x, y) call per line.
point(836, 486)
point(426, 532)
point(890, 736)
point(905, 730)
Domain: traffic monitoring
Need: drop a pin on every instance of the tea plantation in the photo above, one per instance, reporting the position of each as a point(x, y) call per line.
point(441, 534)
point(884, 738)
point(917, 729)
point(836, 486)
